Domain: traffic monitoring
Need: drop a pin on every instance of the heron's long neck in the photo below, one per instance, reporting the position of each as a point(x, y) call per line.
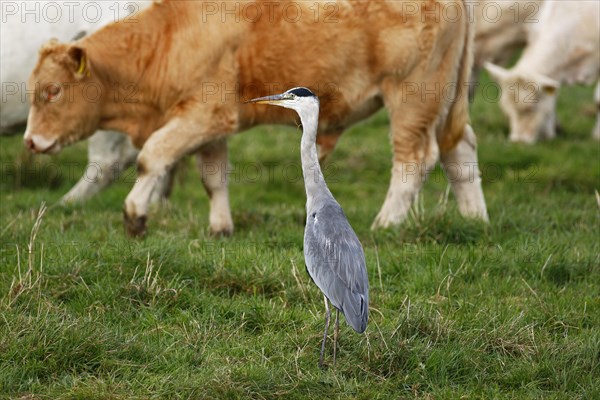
point(314, 182)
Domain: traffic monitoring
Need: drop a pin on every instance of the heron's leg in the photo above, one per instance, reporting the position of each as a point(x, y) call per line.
point(327, 315)
point(336, 334)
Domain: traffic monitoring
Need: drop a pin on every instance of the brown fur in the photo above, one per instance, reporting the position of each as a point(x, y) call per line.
point(355, 64)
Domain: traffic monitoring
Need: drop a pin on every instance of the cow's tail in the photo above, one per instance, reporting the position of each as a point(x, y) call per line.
point(458, 113)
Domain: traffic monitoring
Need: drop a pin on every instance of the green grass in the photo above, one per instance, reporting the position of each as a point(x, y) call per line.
point(458, 310)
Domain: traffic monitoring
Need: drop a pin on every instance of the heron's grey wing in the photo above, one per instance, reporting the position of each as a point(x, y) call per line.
point(336, 262)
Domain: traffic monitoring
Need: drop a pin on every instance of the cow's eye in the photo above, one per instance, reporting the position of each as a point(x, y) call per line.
point(52, 92)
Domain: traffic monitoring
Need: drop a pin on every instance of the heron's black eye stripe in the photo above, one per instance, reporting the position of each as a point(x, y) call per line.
point(314, 215)
point(302, 92)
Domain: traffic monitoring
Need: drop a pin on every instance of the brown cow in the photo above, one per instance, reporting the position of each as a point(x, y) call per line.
point(357, 56)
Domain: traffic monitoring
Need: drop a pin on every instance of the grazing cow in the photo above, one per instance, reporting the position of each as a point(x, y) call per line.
point(563, 48)
point(25, 27)
point(174, 83)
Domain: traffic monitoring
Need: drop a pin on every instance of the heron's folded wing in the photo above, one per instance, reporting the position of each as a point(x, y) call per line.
point(336, 262)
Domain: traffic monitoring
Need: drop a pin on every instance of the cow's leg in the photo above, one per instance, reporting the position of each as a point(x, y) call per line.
point(462, 170)
point(109, 153)
point(549, 129)
point(596, 131)
point(415, 151)
point(326, 143)
point(212, 165)
point(474, 82)
point(164, 187)
point(163, 149)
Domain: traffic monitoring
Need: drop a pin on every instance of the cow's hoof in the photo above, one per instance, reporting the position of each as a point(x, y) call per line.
point(596, 131)
point(135, 226)
point(385, 221)
point(220, 225)
point(221, 232)
point(378, 224)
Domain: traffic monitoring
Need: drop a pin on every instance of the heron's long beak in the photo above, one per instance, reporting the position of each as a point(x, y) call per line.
point(275, 99)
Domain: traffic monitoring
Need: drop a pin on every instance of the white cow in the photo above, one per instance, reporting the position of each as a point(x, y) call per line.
point(25, 27)
point(563, 48)
point(502, 28)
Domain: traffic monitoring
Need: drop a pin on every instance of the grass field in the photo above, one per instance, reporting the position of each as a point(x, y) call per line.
point(459, 310)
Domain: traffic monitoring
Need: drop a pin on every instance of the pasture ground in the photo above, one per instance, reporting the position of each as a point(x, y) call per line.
point(458, 310)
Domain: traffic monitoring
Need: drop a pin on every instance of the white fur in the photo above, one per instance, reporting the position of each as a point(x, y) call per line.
point(501, 28)
point(563, 48)
point(596, 132)
point(462, 170)
point(109, 153)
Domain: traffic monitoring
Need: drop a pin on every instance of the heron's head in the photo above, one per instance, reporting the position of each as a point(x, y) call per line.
point(298, 99)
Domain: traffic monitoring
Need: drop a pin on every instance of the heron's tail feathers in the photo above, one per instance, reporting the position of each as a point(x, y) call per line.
point(356, 311)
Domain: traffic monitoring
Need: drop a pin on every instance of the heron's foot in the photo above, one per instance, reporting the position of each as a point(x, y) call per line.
point(135, 226)
point(323, 366)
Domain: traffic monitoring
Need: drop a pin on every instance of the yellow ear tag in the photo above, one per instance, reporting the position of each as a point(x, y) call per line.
point(83, 67)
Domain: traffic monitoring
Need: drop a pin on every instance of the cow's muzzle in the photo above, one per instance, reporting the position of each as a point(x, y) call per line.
point(38, 144)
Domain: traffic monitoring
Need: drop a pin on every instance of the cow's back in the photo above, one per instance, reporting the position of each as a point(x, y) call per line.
point(565, 44)
point(502, 27)
point(344, 60)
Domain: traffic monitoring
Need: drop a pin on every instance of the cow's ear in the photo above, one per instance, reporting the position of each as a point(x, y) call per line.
point(549, 85)
point(79, 62)
point(49, 46)
point(498, 73)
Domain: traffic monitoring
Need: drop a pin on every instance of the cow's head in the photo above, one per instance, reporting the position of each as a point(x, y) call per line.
point(528, 100)
point(64, 99)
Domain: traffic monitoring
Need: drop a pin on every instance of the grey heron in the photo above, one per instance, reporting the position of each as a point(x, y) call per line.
point(333, 254)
